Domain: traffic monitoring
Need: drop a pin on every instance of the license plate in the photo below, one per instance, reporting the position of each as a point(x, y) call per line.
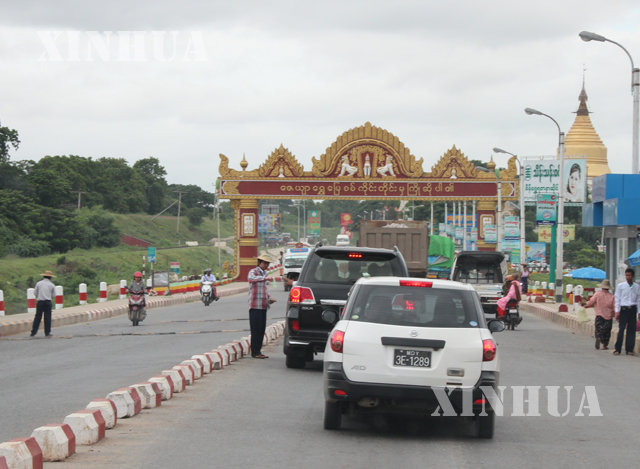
point(417, 358)
point(513, 314)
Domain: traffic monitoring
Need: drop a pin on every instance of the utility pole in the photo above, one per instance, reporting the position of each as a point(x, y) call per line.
point(179, 204)
point(80, 197)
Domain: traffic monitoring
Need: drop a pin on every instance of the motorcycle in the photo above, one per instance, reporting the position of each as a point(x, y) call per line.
point(208, 294)
point(137, 307)
point(512, 316)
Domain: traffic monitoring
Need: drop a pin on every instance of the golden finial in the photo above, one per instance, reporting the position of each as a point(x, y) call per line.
point(244, 163)
point(491, 165)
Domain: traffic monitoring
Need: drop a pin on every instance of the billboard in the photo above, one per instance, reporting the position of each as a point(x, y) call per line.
point(268, 223)
point(313, 222)
point(536, 252)
point(512, 227)
point(543, 177)
point(490, 234)
point(546, 209)
point(544, 233)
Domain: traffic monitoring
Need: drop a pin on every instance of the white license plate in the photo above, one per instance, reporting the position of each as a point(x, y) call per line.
point(415, 358)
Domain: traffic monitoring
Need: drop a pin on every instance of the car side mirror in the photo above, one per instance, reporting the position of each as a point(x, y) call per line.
point(330, 316)
point(495, 325)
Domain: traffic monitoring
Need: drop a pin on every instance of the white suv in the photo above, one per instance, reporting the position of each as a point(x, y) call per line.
point(401, 344)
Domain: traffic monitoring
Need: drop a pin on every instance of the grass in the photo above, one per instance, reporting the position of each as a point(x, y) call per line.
point(92, 267)
point(565, 281)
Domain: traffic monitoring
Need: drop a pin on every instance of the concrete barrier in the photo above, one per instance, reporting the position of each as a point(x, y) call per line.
point(59, 297)
point(216, 358)
point(3, 463)
point(207, 363)
point(179, 379)
point(22, 453)
point(246, 345)
point(1, 303)
point(108, 410)
point(56, 440)
point(31, 300)
point(137, 401)
point(88, 426)
point(196, 366)
point(187, 372)
point(125, 405)
point(123, 289)
point(103, 292)
point(82, 291)
point(165, 383)
point(229, 353)
point(237, 348)
point(149, 394)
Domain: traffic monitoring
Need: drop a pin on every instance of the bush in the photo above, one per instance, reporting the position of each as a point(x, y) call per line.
point(27, 247)
point(195, 215)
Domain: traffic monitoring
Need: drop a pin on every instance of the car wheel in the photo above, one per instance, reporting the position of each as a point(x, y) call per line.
point(332, 415)
point(295, 361)
point(485, 425)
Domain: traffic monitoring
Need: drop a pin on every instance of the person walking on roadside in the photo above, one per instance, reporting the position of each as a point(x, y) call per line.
point(627, 300)
point(604, 304)
point(525, 278)
point(259, 302)
point(45, 292)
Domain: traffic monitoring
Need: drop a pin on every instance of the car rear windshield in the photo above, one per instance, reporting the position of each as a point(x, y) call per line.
point(294, 262)
point(347, 267)
point(415, 306)
point(474, 270)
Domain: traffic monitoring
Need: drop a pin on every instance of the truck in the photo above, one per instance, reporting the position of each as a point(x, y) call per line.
point(411, 238)
point(486, 271)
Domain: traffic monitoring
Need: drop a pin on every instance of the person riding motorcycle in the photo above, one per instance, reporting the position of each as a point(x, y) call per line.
point(209, 277)
point(137, 286)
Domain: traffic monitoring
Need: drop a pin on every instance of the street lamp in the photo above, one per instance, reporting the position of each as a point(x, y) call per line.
point(298, 206)
point(635, 90)
point(521, 197)
point(560, 222)
point(413, 210)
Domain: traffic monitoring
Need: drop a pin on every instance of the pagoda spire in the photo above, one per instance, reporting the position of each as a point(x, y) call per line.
point(583, 110)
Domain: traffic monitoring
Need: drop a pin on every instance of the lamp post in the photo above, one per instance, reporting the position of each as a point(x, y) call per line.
point(635, 90)
point(413, 210)
point(499, 220)
point(560, 222)
point(298, 206)
point(521, 197)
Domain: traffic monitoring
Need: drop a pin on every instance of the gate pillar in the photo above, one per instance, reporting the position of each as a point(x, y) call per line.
point(486, 216)
point(247, 236)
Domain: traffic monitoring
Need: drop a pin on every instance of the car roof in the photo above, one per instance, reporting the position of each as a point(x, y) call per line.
point(353, 249)
point(395, 282)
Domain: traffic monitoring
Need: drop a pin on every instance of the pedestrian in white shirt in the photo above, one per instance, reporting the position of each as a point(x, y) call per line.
point(45, 292)
point(627, 301)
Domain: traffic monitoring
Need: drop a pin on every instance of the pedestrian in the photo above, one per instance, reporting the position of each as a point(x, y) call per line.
point(627, 300)
point(604, 304)
point(259, 303)
point(45, 292)
point(525, 278)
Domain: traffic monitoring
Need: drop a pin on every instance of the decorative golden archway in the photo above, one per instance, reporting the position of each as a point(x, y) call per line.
point(365, 162)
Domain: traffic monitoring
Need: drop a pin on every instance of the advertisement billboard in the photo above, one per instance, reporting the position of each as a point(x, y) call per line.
point(512, 227)
point(490, 234)
point(536, 252)
point(546, 209)
point(268, 223)
point(313, 222)
point(543, 177)
point(544, 233)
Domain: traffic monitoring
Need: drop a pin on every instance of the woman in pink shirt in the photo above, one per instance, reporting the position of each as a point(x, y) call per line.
point(513, 293)
point(604, 304)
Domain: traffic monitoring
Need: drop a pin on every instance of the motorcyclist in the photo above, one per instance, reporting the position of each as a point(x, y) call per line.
point(209, 277)
point(137, 287)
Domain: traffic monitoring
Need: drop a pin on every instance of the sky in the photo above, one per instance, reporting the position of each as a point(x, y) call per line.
point(186, 81)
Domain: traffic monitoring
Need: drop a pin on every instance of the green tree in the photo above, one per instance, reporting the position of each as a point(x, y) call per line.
point(156, 187)
point(195, 215)
point(8, 138)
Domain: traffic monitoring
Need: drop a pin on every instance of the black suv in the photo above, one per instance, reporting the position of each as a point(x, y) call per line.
point(316, 300)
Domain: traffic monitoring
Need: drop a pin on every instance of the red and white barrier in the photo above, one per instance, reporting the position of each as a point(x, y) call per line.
point(59, 297)
point(246, 345)
point(82, 290)
point(166, 385)
point(108, 410)
point(240, 348)
point(233, 351)
point(179, 381)
point(196, 366)
point(22, 453)
point(216, 359)
point(56, 440)
point(31, 300)
point(88, 426)
point(103, 292)
point(207, 363)
point(150, 394)
point(188, 372)
point(125, 405)
point(1, 303)
point(3, 463)
point(123, 289)
point(226, 355)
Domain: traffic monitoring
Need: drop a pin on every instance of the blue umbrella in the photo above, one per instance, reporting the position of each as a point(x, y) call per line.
point(634, 259)
point(589, 273)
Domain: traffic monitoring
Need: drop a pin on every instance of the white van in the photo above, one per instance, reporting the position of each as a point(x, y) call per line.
point(292, 262)
point(343, 240)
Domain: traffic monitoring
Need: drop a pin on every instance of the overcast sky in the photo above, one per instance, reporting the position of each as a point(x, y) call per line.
point(261, 73)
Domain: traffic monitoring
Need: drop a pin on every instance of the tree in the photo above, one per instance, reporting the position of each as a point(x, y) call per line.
point(195, 215)
point(8, 138)
point(156, 188)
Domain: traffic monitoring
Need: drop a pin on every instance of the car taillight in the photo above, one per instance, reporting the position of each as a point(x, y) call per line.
point(337, 340)
point(295, 324)
point(301, 295)
point(356, 255)
point(488, 350)
point(415, 283)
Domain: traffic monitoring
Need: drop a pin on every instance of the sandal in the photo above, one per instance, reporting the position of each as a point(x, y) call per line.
point(616, 353)
point(260, 356)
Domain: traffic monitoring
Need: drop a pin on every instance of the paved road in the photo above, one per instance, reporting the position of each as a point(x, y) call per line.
point(257, 413)
point(43, 380)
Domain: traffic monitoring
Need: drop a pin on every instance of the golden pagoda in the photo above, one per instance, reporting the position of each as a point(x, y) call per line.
point(583, 140)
